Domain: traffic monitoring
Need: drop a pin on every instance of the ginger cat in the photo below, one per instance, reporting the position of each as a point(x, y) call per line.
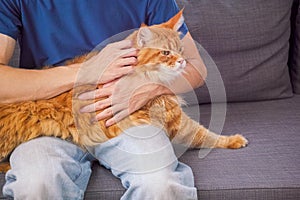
point(159, 59)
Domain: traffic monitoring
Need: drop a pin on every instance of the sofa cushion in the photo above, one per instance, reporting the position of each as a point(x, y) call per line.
point(248, 41)
point(268, 168)
point(294, 61)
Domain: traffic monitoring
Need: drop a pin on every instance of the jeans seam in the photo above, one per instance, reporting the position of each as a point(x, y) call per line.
point(79, 163)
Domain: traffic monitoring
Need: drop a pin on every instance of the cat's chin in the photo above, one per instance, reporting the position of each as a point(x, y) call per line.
point(168, 75)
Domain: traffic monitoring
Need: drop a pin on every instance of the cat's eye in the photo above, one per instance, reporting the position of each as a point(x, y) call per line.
point(165, 53)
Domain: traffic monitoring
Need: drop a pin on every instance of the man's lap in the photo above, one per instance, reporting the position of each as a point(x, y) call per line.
point(139, 150)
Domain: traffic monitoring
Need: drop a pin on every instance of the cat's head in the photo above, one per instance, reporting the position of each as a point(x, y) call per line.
point(161, 48)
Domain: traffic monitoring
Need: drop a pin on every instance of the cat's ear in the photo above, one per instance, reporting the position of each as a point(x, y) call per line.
point(175, 22)
point(143, 36)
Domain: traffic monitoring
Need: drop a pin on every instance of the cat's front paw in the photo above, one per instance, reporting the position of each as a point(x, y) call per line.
point(237, 141)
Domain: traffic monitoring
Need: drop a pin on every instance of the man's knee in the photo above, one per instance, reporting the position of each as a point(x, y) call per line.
point(162, 184)
point(158, 187)
point(153, 187)
point(39, 172)
point(40, 183)
point(27, 184)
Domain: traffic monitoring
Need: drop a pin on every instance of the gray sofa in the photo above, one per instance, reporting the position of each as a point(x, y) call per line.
point(252, 52)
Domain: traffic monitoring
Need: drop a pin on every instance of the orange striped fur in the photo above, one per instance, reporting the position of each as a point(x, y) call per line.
point(160, 59)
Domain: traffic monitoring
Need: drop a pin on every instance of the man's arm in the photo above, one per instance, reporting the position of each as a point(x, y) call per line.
point(21, 84)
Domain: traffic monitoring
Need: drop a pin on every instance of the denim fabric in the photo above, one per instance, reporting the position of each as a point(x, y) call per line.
point(47, 168)
point(142, 157)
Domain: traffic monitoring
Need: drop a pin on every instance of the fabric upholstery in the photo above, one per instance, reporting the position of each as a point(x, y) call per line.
point(269, 168)
point(248, 41)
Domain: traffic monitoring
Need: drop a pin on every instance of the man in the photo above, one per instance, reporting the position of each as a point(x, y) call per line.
point(51, 32)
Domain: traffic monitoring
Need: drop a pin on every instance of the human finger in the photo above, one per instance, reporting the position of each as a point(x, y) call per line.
point(110, 84)
point(122, 71)
point(111, 110)
point(89, 108)
point(126, 61)
point(106, 113)
point(99, 105)
point(116, 118)
point(98, 93)
point(132, 52)
point(102, 104)
point(123, 44)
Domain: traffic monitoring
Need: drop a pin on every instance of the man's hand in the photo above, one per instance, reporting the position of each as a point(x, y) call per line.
point(112, 62)
point(124, 97)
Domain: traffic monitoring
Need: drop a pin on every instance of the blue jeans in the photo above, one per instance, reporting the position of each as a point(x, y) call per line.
point(142, 158)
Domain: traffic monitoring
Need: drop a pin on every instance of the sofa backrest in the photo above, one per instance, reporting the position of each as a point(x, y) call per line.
point(249, 43)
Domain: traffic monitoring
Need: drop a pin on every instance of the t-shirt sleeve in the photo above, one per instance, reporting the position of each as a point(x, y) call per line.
point(10, 20)
point(160, 11)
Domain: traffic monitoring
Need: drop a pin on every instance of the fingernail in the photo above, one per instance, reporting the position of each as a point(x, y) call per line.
point(85, 109)
point(81, 97)
point(108, 123)
point(106, 85)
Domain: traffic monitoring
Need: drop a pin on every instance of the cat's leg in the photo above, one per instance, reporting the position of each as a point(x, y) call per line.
point(47, 168)
point(194, 135)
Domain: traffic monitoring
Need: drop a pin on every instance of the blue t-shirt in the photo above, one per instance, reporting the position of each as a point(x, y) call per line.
point(53, 31)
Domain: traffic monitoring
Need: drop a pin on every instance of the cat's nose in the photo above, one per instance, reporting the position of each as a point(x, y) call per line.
point(180, 61)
